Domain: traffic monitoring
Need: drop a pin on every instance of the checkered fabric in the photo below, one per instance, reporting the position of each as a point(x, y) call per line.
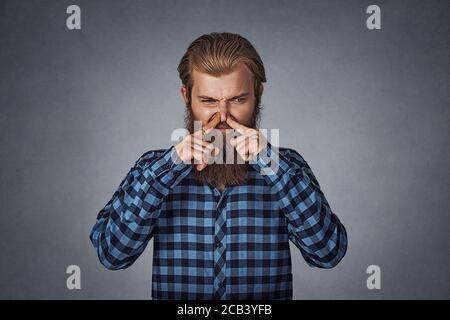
point(210, 244)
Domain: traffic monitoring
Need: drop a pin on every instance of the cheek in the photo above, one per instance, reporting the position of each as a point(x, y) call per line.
point(243, 113)
point(203, 113)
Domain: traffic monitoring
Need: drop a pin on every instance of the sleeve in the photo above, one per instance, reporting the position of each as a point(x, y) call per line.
point(125, 225)
point(312, 226)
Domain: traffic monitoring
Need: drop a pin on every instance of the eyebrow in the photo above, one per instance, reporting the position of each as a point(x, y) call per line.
point(242, 95)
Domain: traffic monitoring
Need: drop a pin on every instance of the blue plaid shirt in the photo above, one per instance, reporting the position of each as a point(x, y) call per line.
point(210, 244)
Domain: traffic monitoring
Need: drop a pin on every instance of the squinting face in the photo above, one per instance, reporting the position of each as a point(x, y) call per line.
point(230, 94)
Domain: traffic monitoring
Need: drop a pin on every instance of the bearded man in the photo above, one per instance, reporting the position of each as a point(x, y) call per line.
point(220, 230)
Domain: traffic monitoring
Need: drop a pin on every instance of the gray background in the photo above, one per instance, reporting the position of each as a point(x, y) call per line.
point(368, 110)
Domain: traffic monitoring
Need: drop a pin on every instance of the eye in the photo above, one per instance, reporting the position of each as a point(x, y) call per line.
point(207, 101)
point(239, 100)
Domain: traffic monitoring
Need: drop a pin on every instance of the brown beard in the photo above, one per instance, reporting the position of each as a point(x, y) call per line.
point(220, 175)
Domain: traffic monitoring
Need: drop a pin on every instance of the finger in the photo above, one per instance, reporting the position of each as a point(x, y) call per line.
point(248, 146)
point(197, 135)
point(200, 167)
point(205, 145)
point(208, 151)
point(197, 155)
point(204, 150)
point(199, 140)
point(243, 144)
point(238, 140)
point(212, 123)
point(207, 128)
point(236, 125)
point(188, 151)
point(253, 143)
point(242, 150)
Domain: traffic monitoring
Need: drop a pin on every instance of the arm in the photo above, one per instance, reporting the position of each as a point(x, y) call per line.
point(312, 226)
point(125, 225)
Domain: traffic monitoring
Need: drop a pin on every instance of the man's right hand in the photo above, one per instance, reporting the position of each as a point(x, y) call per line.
point(193, 147)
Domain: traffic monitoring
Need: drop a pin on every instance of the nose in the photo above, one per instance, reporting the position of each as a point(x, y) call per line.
point(223, 109)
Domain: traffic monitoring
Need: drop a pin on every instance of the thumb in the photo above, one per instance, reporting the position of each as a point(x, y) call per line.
point(201, 166)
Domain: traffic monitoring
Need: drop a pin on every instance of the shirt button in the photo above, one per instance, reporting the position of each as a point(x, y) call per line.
point(218, 244)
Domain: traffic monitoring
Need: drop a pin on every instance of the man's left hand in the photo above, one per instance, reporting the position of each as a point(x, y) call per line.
point(249, 143)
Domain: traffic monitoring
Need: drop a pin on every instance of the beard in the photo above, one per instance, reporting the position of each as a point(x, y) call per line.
point(223, 174)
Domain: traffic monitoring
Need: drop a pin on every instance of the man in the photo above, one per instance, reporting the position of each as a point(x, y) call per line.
point(220, 230)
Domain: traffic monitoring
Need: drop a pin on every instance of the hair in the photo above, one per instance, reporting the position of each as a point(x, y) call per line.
point(218, 53)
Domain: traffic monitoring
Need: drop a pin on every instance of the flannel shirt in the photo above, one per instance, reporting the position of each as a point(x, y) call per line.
point(209, 244)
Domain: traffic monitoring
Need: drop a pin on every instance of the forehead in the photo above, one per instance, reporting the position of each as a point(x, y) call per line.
point(227, 84)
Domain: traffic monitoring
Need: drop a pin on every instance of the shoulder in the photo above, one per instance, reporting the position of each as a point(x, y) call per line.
point(149, 156)
point(299, 164)
point(293, 156)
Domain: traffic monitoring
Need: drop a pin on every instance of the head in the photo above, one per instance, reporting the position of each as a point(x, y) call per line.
point(222, 72)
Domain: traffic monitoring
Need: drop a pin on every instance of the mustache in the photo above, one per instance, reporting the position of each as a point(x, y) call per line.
point(223, 125)
point(189, 119)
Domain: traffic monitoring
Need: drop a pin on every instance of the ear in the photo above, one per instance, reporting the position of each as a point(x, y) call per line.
point(184, 94)
point(261, 88)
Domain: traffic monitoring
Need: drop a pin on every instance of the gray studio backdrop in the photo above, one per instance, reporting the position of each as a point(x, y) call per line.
point(368, 109)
